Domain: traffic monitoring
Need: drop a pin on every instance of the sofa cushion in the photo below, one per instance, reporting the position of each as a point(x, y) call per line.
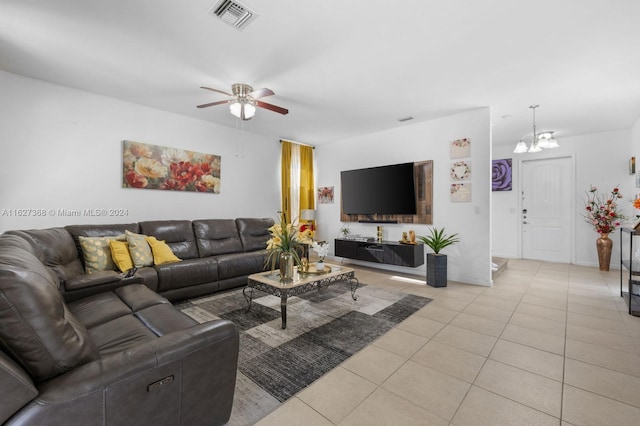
point(189, 272)
point(56, 249)
point(178, 234)
point(139, 249)
point(161, 252)
point(238, 264)
point(37, 328)
point(217, 236)
point(121, 255)
point(99, 231)
point(97, 253)
point(254, 233)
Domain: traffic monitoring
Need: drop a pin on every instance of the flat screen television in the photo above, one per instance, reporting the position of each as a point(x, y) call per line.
point(379, 190)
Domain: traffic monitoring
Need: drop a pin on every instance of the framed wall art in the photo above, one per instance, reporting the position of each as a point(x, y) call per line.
point(147, 166)
point(325, 195)
point(501, 175)
point(461, 148)
point(460, 192)
point(461, 170)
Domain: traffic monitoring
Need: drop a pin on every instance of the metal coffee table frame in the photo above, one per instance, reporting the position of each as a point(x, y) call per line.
point(269, 282)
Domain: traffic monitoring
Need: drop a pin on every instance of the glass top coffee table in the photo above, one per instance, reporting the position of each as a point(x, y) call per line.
point(269, 282)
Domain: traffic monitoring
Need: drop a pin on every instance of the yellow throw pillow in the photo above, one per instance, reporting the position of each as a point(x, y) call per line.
point(161, 252)
point(97, 254)
point(120, 255)
point(139, 249)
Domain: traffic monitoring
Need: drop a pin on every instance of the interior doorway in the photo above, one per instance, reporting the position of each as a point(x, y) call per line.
point(546, 209)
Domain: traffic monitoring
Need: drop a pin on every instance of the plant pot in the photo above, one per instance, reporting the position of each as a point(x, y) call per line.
point(286, 267)
point(604, 245)
point(436, 270)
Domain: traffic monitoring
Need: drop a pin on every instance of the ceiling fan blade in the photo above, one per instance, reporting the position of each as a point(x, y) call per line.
point(261, 93)
point(271, 107)
point(216, 90)
point(214, 103)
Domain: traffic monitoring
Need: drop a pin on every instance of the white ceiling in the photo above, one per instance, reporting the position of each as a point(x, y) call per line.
point(345, 68)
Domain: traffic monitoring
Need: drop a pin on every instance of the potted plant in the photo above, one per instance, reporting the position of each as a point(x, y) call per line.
point(436, 262)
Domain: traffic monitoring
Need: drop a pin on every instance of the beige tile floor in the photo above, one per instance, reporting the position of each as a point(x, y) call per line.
point(548, 344)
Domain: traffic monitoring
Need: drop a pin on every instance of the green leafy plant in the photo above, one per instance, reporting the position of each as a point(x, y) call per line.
point(438, 240)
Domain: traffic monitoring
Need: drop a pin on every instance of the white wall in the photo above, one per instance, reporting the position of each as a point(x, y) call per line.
point(468, 261)
point(62, 149)
point(602, 160)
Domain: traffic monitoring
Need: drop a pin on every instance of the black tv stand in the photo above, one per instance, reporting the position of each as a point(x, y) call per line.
point(387, 252)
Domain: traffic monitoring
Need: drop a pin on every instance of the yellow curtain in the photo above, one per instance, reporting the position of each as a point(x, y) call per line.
point(307, 189)
point(285, 172)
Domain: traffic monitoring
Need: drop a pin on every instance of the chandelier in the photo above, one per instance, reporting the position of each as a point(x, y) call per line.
point(539, 141)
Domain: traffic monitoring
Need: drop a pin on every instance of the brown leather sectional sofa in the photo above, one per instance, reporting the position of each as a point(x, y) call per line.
point(102, 349)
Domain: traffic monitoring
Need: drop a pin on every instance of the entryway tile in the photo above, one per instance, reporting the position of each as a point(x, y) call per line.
point(432, 390)
point(522, 386)
point(484, 408)
point(291, 413)
point(536, 339)
point(623, 362)
point(450, 360)
point(478, 324)
point(468, 340)
point(538, 323)
point(581, 407)
point(401, 342)
point(530, 359)
point(386, 408)
point(336, 394)
point(421, 326)
point(374, 364)
point(612, 384)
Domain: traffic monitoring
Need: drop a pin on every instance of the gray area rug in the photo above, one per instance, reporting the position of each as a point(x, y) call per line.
point(324, 328)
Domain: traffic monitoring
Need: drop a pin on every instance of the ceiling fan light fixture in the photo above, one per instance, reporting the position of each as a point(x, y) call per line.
point(237, 107)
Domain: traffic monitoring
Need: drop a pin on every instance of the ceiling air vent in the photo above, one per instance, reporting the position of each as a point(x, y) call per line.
point(233, 13)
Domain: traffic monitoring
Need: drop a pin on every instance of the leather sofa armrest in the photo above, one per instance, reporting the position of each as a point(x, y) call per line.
point(180, 378)
point(101, 278)
point(16, 387)
point(99, 282)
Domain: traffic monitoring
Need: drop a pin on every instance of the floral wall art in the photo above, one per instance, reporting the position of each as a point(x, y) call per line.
point(325, 195)
point(461, 148)
point(501, 172)
point(149, 166)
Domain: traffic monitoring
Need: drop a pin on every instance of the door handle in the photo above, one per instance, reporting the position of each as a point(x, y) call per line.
point(525, 222)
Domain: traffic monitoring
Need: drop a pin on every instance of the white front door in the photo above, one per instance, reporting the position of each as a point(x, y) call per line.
point(547, 188)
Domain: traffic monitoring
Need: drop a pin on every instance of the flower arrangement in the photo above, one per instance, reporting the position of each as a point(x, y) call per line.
point(322, 249)
point(603, 213)
point(285, 237)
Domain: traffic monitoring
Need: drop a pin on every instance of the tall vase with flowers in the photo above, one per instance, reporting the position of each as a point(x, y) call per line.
point(283, 248)
point(603, 215)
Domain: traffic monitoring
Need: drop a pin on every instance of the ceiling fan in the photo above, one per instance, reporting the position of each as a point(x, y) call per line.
point(244, 101)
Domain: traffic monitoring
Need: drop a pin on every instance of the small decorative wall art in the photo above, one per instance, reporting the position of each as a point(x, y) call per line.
point(325, 195)
point(460, 192)
point(501, 175)
point(461, 170)
point(461, 148)
point(149, 166)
